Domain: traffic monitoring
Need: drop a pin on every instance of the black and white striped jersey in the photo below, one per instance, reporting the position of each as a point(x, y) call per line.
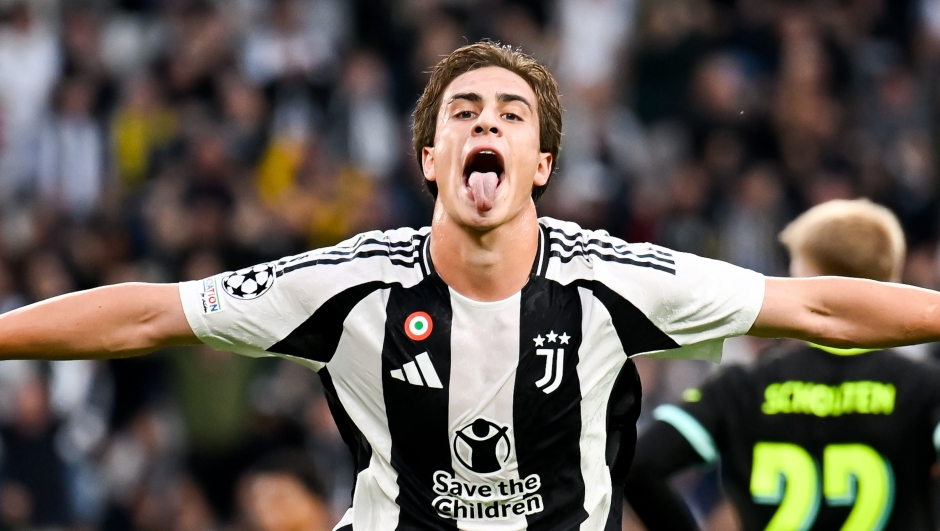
point(515, 414)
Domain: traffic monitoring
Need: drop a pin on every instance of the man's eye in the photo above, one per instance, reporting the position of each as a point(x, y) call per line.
point(511, 116)
point(464, 114)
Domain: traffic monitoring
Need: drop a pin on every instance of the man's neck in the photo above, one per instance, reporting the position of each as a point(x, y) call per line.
point(485, 265)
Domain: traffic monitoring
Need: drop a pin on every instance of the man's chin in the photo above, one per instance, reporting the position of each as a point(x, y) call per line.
point(481, 220)
point(467, 215)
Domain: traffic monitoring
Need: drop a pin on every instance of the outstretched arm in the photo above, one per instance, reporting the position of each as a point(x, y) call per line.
point(109, 322)
point(848, 312)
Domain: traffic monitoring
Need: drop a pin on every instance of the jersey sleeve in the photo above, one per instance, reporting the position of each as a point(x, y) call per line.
point(696, 302)
point(251, 311)
point(698, 418)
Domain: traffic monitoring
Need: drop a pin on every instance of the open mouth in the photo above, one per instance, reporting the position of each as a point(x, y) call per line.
point(482, 175)
point(484, 161)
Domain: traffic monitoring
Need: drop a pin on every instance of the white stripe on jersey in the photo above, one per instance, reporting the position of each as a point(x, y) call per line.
point(333, 253)
point(581, 248)
point(597, 375)
point(482, 382)
point(356, 369)
point(602, 237)
point(426, 255)
point(601, 245)
point(542, 253)
point(374, 504)
point(427, 370)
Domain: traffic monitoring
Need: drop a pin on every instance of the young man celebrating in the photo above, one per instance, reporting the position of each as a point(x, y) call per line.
point(810, 437)
point(479, 368)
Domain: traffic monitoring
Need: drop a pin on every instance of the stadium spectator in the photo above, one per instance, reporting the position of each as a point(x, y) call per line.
point(29, 67)
point(71, 153)
point(34, 489)
point(283, 492)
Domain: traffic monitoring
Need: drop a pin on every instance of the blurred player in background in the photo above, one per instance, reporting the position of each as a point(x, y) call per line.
point(809, 437)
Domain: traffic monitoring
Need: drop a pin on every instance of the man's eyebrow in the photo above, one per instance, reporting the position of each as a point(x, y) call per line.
point(506, 98)
point(469, 96)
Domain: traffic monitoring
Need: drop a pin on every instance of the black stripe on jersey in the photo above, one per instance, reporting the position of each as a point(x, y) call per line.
point(293, 259)
point(623, 410)
point(541, 256)
point(547, 426)
point(352, 435)
point(608, 258)
point(408, 258)
point(418, 414)
point(339, 255)
point(579, 238)
point(340, 251)
point(636, 332)
point(350, 249)
point(411, 257)
point(615, 515)
point(618, 250)
point(569, 250)
point(317, 337)
point(425, 255)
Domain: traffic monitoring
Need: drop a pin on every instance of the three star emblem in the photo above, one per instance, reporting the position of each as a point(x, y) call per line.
point(552, 337)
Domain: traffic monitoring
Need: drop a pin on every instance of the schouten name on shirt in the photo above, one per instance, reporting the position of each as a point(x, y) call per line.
point(499, 500)
point(821, 400)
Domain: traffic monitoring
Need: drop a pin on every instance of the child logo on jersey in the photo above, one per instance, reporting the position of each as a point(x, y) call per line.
point(418, 326)
point(482, 446)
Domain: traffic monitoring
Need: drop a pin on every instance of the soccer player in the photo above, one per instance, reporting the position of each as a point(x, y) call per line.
point(491, 339)
point(810, 437)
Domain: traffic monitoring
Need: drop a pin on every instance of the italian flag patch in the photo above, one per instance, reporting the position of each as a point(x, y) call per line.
point(418, 326)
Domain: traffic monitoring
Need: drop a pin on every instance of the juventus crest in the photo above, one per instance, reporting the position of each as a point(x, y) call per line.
point(554, 360)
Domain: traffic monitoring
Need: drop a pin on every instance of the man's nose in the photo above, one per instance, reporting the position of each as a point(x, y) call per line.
point(485, 124)
point(479, 129)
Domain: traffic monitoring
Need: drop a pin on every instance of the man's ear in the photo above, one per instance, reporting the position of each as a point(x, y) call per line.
point(544, 170)
point(427, 163)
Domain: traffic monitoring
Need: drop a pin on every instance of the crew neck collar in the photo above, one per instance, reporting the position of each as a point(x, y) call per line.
point(539, 265)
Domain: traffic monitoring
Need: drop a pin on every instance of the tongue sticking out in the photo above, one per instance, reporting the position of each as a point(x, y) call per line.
point(483, 188)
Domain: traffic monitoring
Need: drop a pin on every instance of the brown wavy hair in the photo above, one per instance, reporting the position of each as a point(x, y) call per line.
point(481, 55)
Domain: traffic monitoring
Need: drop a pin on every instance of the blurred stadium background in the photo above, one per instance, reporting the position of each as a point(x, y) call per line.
point(166, 140)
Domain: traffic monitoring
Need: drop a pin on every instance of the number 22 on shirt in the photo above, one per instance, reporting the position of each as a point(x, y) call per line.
point(785, 474)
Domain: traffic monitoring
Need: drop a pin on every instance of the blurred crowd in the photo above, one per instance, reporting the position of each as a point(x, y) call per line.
point(167, 140)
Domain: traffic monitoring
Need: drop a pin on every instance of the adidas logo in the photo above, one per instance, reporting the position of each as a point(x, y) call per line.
point(412, 372)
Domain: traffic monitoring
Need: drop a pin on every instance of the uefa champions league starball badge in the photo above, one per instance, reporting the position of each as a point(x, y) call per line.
point(249, 283)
